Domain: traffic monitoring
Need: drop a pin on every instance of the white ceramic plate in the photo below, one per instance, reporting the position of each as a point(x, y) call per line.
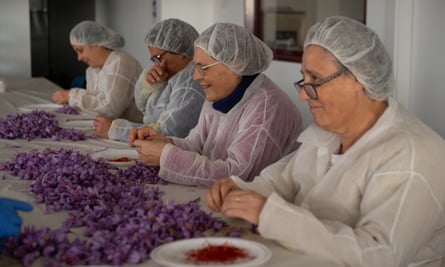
point(44, 107)
point(111, 155)
point(174, 254)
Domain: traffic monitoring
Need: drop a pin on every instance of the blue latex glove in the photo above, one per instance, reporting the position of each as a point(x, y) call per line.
point(10, 221)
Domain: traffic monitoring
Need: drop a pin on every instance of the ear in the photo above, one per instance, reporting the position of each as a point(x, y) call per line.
point(357, 86)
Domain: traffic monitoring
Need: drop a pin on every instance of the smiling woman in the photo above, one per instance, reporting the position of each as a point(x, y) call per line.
point(217, 80)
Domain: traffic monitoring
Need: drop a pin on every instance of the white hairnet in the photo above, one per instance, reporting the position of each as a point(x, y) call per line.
point(359, 49)
point(173, 35)
point(236, 48)
point(92, 33)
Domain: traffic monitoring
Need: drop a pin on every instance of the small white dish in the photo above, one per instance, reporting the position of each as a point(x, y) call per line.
point(174, 254)
point(117, 157)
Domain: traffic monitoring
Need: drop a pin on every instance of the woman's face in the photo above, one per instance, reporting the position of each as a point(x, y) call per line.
point(92, 55)
point(171, 63)
point(218, 81)
point(339, 100)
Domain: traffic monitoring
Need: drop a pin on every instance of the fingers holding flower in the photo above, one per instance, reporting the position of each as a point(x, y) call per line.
point(143, 133)
point(150, 151)
point(243, 204)
point(216, 194)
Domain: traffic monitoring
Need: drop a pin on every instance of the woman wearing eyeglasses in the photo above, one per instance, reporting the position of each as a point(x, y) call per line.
point(366, 187)
point(165, 93)
point(111, 74)
point(246, 122)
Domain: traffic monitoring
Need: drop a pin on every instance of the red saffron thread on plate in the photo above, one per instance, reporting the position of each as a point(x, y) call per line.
point(217, 254)
point(123, 159)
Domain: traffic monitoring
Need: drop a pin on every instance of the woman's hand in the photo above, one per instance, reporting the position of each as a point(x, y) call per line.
point(61, 96)
point(150, 151)
point(101, 126)
point(218, 192)
point(158, 73)
point(141, 134)
point(243, 204)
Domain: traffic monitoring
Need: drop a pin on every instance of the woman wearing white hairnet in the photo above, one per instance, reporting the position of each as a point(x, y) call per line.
point(110, 77)
point(366, 187)
point(246, 122)
point(166, 93)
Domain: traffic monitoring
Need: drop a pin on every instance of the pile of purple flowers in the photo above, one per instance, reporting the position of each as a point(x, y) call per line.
point(123, 216)
point(68, 110)
point(67, 179)
point(36, 124)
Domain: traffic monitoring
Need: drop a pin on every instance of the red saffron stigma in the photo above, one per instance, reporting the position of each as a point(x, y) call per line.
point(217, 254)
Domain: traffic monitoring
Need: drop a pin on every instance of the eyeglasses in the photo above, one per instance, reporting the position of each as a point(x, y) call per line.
point(158, 58)
point(311, 88)
point(202, 69)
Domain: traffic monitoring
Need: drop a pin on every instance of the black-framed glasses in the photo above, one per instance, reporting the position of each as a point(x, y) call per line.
point(311, 88)
point(203, 69)
point(158, 58)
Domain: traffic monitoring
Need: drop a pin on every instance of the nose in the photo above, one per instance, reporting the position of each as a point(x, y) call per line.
point(197, 76)
point(303, 96)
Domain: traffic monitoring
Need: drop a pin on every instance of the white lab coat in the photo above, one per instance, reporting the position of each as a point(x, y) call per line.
point(260, 129)
point(379, 204)
point(172, 109)
point(110, 89)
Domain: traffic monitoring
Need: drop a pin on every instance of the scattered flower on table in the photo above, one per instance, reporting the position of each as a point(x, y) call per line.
point(68, 110)
point(36, 124)
point(121, 211)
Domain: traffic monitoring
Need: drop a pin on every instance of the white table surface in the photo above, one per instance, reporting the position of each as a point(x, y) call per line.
point(20, 92)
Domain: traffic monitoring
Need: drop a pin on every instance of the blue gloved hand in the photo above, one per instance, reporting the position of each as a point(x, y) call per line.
point(10, 221)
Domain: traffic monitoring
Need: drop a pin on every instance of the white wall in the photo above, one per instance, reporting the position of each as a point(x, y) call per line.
point(15, 46)
point(228, 11)
point(380, 17)
point(198, 13)
point(132, 19)
point(427, 95)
